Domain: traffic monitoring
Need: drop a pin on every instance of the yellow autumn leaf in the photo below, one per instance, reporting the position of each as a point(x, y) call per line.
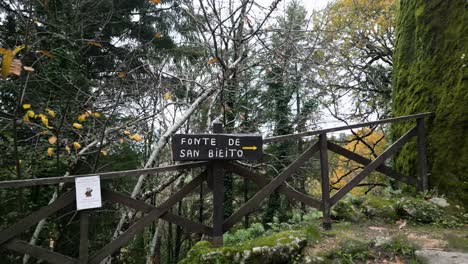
point(50, 112)
point(93, 43)
point(157, 35)
point(121, 74)
point(7, 60)
point(76, 145)
point(15, 67)
point(31, 113)
point(136, 137)
point(26, 106)
point(126, 132)
point(26, 118)
point(82, 117)
point(167, 96)
point(44, 120)
point(104, 152)
point(88, 113)
point(28, 69)
point(67, 148)
point(50, 152)
point(212, 60)
point(46, 53)
point(52, 139)
point(77, 126)
point(96, 115)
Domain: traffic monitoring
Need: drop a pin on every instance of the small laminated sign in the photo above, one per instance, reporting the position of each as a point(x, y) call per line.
point(88, 192)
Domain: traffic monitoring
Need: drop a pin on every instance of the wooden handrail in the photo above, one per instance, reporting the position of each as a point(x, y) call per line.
point(340, 128)
point(103, 175)
point(119, 174)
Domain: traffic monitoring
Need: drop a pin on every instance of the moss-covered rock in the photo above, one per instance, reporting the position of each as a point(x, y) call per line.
point(348, 211)
point(430, 74)
point(379, 207)
point(419, 210)
point(283, 247)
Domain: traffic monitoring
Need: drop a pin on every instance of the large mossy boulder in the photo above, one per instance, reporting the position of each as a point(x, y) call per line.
point(284, 247)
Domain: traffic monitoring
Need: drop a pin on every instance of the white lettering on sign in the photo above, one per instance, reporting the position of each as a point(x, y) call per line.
point(225, 153)
point(204, 141)
point(234, 142)
point(189, 153)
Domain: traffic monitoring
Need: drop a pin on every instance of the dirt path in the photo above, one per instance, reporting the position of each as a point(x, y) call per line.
point(402, 240)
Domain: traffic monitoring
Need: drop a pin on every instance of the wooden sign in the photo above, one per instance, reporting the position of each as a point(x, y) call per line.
point(216, 147)
point(88, 192)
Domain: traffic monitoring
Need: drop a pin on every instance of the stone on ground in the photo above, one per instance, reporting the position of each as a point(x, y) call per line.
point(441, 257)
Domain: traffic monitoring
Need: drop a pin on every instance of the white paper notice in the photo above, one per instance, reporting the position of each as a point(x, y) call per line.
point(88, 192)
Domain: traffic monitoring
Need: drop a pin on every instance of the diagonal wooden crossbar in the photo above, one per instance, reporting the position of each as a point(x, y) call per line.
point(365, 161)
point(261, 181)
point(35, 217)
point(188, 225)
point(373, 165)
point(24, 247)
point(256, 200)
point(146, 220)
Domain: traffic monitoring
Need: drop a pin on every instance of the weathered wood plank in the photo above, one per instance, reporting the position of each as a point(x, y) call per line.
point(373, 165)
point(325, 181)
point(340, 128)
point(217, 176)
point(145, 221)
point(422, 160)
point(218, 202)
point(365, 161)
point(103, 175)
point(84, 237)
point(24, 247)
point(256, 200)
point(30, 220)
point(260, 180)
point(186, 224)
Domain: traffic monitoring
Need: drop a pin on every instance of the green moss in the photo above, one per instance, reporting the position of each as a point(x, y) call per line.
point(379, 207)
point(457, 242)
point(400, 245)
point(348, 251)
point(252, 251)
point(430, 74)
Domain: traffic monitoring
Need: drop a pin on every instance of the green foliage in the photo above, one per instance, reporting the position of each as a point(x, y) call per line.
point(351, 250)
point(400, 245)
point(345, 210)
point(312, 233)
point(421, 211)
point(430, 75)
point(241, 235)
point(457, 243)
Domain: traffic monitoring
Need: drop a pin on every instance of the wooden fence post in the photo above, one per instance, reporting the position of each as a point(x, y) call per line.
point(325, 181)
point(84, 233)
point(422, 160)
point(217, 176)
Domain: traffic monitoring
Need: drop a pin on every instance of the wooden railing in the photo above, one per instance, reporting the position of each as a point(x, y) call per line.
point(214, 176)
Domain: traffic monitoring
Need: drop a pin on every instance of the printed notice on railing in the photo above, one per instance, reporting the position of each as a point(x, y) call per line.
point(88, 192)
point(216, 147)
